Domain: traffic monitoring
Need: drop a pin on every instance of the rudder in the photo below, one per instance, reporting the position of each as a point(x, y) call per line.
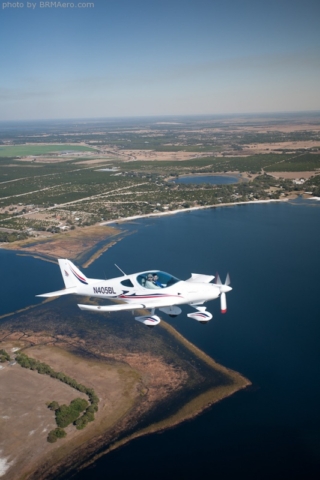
point(71, 275)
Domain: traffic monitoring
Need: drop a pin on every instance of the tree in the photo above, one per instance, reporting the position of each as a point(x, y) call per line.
point(55, 434)
point(53, 405)
point(4, 356)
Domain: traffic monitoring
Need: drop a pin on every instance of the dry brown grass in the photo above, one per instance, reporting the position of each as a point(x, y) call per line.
point(66, 245)
point(25, 420)
point(292, 175)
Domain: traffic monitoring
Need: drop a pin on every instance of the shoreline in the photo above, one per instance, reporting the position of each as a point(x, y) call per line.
point(30, 247)
point(192, 408)
point(202, 207)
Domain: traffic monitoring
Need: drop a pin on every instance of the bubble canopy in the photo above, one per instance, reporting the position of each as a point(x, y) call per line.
point(156, 279)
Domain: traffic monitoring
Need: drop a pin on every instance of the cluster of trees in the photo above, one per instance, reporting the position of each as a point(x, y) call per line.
point(53, 229)
point(12, 236)
point(4, 356)
point(313, 184)
point(65, 414)
point(32, 364)
point(55, 434)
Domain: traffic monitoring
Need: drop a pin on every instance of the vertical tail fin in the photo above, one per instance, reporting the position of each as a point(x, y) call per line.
point(71, 275)
point(72, 278)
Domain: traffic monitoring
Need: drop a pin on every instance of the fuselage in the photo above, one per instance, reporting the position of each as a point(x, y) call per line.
point(151, 285)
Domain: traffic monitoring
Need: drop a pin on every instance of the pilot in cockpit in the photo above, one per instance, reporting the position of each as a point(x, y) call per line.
point(156, 281)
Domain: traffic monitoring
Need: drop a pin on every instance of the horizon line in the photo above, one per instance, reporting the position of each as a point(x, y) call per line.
point(171, 115)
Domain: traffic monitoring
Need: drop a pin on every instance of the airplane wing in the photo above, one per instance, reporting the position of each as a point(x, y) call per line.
point(200, 278)
point(111, 308)
point(127, 306)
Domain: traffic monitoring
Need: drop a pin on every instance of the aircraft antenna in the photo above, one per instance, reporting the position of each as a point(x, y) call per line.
point(120, 269)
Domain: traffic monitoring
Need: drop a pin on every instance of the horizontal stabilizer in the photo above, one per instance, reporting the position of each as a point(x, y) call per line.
point(65, 291)
point(200, 278)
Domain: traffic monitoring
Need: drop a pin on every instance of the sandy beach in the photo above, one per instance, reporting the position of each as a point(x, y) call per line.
point(174, 212)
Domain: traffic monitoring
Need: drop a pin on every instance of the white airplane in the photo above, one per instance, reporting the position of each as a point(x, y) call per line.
point(145, 290)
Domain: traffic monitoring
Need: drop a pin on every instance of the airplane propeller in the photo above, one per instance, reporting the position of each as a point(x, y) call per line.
point(224, 288)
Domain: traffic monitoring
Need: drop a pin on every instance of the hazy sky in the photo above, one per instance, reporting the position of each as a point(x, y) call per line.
point(158, 57)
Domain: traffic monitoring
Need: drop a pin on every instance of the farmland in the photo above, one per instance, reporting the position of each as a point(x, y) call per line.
point(29, 150)
point(109, 170)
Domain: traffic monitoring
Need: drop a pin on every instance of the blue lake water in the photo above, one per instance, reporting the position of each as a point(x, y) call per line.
point(271, 334)
point(212, 179)
point(23, 277)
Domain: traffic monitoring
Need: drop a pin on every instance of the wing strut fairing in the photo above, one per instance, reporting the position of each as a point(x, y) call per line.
point(201, 315)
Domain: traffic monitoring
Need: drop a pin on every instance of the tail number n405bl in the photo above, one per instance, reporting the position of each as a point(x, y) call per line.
point(105, 290)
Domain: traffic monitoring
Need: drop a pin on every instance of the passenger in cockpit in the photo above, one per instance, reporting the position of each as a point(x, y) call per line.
point(150, 282)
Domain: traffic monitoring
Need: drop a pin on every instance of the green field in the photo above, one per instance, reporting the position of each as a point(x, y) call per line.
point(24, 150)
point(299, 163)
point(253, 163)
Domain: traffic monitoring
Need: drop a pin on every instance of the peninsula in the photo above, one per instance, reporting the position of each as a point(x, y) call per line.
point(143, 382)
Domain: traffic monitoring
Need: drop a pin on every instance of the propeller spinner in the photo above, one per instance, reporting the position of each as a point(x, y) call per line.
point(224, 288)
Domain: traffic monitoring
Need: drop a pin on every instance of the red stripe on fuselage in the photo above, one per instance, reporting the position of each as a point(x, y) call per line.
point(134, 297)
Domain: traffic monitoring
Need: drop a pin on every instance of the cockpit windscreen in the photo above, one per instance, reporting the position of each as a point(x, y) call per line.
point(156, 279)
